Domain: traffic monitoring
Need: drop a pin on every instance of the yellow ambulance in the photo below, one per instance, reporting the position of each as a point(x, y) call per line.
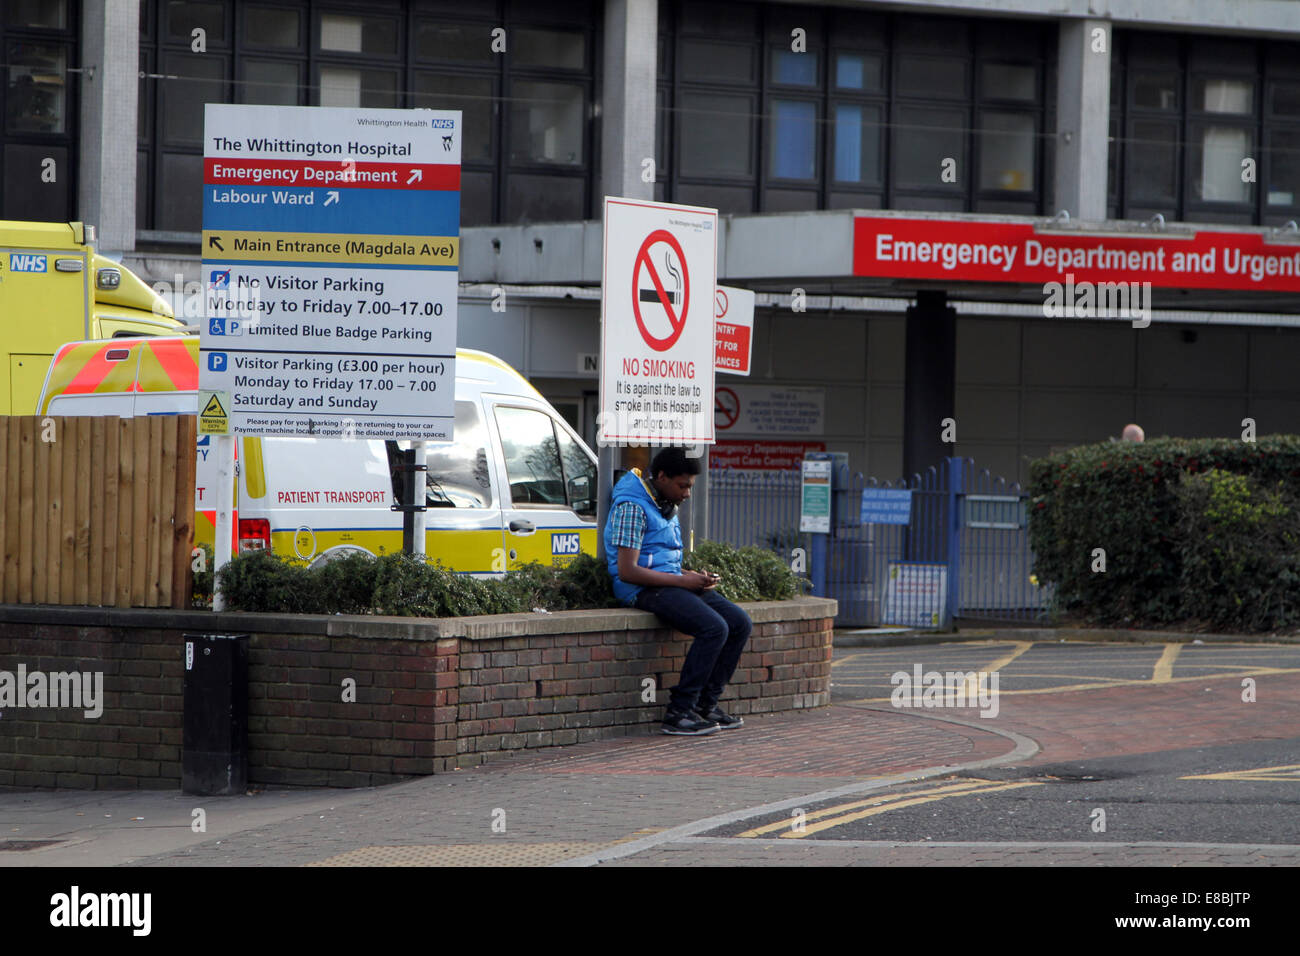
point(55, 288)
point(517, 484)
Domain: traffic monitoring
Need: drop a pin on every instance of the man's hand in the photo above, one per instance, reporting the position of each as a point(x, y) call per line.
point(697, 581)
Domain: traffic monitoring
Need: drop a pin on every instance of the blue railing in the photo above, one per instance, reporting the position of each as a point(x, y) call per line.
point(966, 529)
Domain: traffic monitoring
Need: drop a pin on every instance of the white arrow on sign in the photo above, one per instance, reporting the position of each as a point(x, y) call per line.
point(331, 197)
point(416, 176)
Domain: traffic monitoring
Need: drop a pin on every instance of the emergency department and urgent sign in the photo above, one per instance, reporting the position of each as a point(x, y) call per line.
point(657, 323)
point(330, 256)
point(1019, 252)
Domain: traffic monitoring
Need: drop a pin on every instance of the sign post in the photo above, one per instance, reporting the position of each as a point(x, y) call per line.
point(657, 329)
point(815, 513)
point(331, 242)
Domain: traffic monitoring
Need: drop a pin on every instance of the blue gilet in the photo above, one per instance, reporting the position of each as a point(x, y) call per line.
point(661, 548)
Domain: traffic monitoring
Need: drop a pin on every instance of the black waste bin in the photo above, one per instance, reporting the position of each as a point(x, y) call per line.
point(214, 754)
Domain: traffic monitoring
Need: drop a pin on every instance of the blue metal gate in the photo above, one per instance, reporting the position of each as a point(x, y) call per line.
point(964, 541)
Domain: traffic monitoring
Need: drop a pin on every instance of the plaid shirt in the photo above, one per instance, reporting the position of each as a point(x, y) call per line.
point(627, 524)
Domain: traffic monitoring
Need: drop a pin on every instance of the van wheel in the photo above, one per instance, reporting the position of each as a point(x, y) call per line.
point(333, 554)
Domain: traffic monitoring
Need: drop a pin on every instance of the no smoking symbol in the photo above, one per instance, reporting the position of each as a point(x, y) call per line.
point(726, 408)
point(674, 301)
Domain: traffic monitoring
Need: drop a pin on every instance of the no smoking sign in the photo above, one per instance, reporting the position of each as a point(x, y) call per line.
point(657, 323)
point(657, 303)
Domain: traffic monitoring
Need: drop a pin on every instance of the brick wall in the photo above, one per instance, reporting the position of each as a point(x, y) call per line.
point(430, 695)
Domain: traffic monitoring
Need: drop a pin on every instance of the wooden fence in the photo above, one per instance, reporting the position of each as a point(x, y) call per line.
point(97, 511)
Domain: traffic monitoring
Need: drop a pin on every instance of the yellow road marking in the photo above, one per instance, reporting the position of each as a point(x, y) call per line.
point(918, 801)
point(1290, 773)
point(1110, 682)
point(845, 660)
point(1003, 661)
point(1164, 669)
point(946, 789)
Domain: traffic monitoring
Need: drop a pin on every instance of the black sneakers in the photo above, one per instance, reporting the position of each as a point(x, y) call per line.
point(685, 724)
point(721, 718)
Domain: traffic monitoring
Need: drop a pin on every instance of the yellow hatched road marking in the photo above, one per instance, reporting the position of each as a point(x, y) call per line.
point(1289, 773)
point(946, 789)
point(1164, 669)
point(918, 801)
point(1111, 682)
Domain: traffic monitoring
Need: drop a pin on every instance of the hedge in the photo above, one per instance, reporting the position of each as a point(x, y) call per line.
point(402, 585)
point(1194, 531)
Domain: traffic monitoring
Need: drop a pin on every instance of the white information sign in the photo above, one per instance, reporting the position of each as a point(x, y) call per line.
point(657, 324)
point(330, 258)
point(916, 595)
point(761, 410)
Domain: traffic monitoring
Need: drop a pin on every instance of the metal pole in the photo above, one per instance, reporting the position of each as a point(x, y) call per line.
point(421, 484)
point(605, 461)
point(224, 449)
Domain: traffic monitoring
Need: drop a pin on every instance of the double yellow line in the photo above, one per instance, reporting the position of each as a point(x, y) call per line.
point(848, 812)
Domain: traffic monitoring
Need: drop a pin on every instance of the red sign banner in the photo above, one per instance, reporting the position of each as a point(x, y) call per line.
point(331, 173)
point(761, 455)
point(966, 251)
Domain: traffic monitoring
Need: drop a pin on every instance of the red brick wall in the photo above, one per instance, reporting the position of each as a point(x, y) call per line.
point(430, 695)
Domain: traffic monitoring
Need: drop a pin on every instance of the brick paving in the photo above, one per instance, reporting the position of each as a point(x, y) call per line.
point(828, 742)
point(601, 795)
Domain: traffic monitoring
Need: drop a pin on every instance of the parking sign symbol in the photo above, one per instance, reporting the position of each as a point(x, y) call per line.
point(216, 361)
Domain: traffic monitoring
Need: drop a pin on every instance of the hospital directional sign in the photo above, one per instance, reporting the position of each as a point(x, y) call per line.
point(331, 247)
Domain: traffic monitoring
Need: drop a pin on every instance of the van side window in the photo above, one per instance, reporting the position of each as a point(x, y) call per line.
point(532, 456)
point(458, 473)
point(579, 475)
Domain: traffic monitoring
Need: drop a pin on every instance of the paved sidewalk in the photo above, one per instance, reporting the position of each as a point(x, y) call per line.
point(575, 799)
point(649, 800)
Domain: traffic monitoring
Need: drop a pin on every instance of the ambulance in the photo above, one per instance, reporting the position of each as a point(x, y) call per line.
point(516, 485)
point(55, 288)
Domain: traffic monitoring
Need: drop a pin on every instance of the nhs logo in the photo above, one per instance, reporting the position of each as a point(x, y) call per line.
point(26, 262)
point(566, 543)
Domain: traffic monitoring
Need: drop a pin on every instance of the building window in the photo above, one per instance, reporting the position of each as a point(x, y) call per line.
point(866, 112)
point(527, 111)
point(1210, 129)
point(38, 106)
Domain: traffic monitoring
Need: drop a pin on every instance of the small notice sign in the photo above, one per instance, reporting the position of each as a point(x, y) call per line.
point(214, 413)
point(815, 496)
point(886, 506)
point(916, 595)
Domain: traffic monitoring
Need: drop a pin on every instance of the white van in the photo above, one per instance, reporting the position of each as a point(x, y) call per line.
point(516, 485)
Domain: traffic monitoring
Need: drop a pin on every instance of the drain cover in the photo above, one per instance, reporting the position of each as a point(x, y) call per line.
point(20, 845)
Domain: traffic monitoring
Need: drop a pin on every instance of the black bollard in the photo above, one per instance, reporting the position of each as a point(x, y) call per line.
point(214, 752)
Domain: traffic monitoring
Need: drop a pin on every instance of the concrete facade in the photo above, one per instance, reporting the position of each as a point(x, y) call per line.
point(1023, 384)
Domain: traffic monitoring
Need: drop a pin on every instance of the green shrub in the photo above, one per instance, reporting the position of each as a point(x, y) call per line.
point(1130, 499)
point(1237, 543)
point(262, 581)
point(201, 583)
point(405, 586)
point(748, 574)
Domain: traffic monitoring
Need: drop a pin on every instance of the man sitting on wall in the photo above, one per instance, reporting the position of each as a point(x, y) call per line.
point(643, 551)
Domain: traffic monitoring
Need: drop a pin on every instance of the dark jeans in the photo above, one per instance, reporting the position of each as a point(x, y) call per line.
point(720, 630)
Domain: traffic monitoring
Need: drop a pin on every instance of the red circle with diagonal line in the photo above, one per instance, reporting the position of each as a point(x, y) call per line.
point(677, 321)
point(726, 404)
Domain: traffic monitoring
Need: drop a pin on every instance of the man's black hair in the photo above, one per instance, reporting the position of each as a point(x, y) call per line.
point(673, 462)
